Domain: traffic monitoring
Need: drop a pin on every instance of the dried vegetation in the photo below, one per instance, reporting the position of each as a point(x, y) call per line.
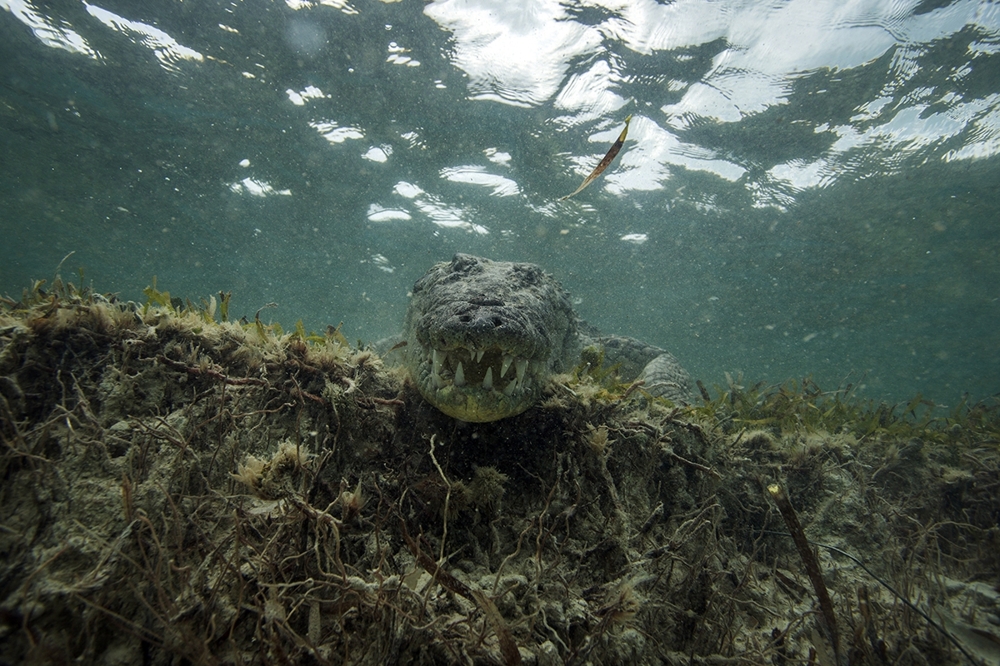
point(178, 487)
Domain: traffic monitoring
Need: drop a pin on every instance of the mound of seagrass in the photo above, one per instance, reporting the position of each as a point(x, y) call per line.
point(178, 487)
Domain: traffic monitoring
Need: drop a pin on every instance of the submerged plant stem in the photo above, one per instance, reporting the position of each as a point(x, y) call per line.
point(809, 560)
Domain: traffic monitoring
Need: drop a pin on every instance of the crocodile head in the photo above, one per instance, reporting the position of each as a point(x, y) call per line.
point(483, 336)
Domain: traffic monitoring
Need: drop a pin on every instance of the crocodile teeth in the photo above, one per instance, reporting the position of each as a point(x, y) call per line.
point(505, 366)
point(522, 366)
point(437, 358)
point(438, 382)
point(439, 366)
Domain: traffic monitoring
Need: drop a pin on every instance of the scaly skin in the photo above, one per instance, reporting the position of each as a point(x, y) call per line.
point(484, 336)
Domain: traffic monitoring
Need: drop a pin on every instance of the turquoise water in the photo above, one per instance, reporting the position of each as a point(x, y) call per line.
point(807, 187)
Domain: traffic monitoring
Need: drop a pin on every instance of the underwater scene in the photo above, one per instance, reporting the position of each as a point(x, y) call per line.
point(806, 189)
point(500, 332)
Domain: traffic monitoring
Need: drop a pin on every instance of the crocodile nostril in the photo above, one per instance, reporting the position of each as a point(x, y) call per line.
point(496, 321)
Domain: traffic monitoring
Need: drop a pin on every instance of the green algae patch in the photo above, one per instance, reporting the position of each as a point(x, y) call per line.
point(179, 486)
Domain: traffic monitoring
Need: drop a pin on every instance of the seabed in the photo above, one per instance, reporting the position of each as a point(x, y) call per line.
point(181, 488)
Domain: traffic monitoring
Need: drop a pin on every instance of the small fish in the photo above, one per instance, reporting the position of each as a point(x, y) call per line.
point(599, 169)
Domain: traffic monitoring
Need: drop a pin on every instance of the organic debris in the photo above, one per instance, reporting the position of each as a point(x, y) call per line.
point(178, 486)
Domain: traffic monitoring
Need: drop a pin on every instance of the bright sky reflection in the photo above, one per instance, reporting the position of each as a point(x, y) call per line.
point(47, 31)
point(477, 175)
point(164, 47)
point(519, 53)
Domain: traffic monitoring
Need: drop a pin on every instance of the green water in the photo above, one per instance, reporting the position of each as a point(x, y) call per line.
point(806, 189)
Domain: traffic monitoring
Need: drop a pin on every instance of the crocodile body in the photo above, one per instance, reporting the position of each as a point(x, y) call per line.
point(484, 336)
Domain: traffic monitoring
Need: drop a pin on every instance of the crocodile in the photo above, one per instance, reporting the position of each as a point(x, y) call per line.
point(483, 338)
